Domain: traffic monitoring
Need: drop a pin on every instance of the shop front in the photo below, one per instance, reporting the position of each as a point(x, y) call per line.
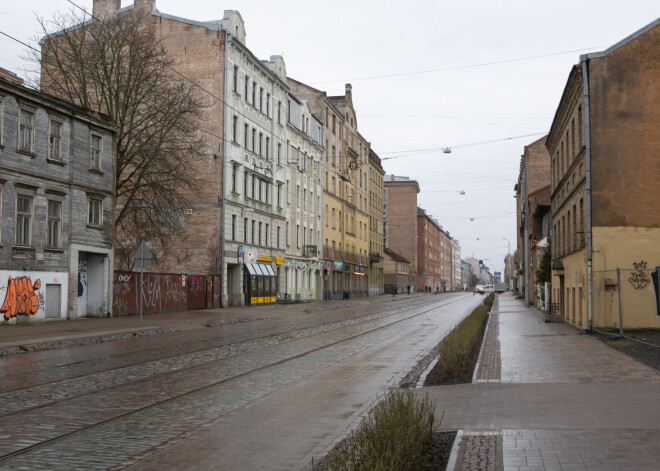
point(260, 283)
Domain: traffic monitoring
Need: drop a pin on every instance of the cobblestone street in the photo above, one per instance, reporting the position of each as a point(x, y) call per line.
point(266, 394)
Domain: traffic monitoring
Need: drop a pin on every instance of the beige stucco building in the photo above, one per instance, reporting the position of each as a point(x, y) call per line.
point(605, 185)
point(376, 229)
point(346, 192)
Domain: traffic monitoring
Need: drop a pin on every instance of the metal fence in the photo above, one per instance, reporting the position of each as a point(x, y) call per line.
point(627, 298)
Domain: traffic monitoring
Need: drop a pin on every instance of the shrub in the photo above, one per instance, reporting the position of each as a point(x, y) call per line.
point(397, 436)
point(457, 350)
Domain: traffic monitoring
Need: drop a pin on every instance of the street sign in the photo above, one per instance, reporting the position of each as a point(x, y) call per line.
point(143, 256)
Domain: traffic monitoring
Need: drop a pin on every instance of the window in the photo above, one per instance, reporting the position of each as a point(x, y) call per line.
point(268, 104)
point(267, 231)
point(54, 224)
point(24, 220)
point(288, 192)
point(95, 142)
point(326, 215)
point(305, 199)
point(333, 124)
point(279, 112)
point(254, 139)
point(94, 213)
point(279, 195)
point(234, 130)
point(247, 87)
point(267, 148)
point(55, 141)
point(279, 153)
point(253, 230)
point(297, 196)
point(287, 234)
point(333, 218)
point(298, 235)
point(245, 183)
point(234, 169)
point(26, 131)
point(278, 237)
point(246, 134)
point(245, 230)
point(261, 99)
point(233, 227)
point(254, 94)
point(334, 162)
point(236, 78)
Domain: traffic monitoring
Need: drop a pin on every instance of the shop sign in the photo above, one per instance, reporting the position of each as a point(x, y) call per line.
point(279, 260)
point(264, 258)
point(301, 266)
point(338, 266)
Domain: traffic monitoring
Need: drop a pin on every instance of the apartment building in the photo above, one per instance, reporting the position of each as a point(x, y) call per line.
point(376, 226)
point(56, 201)
point(302, 200)
point(534, 175)
point(345, 196)
point(605, 184)
point(401, 220)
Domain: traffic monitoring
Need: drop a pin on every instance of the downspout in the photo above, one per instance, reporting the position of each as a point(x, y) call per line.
point(587, 122)
point(526, 235)
point(223, 294)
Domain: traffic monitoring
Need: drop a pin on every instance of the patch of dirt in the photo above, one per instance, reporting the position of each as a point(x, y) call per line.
point(442, 443)
point(647, 354)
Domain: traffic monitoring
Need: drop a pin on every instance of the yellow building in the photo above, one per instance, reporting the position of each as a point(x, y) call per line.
point(345, 196)
point(376, 232)
point(605, 171)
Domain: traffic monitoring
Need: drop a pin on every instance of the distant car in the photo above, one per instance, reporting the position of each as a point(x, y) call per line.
point(483, 289)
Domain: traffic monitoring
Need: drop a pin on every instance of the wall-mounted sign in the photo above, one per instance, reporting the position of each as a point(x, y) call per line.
point(338, 266)
point(279, 260)
point(264, 258)
point(240, 250)
point(301, 266)
point(250, 256)
point(183, 280)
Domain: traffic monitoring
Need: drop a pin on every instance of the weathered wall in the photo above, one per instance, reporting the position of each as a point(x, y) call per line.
point(25, 295)
point(163, 292)
point(625, 132)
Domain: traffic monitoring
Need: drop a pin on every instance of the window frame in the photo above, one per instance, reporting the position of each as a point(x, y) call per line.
point(60, 123)
point(91, 200)
point(20, 137)
point(23, 217)
point(99, 166)
point(57, 221)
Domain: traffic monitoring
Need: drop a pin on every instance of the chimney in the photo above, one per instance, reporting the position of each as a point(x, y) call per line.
point(148, 5)
point(348, 96)
point(102, 9)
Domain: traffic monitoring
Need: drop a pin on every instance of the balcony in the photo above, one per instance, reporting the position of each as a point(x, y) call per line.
point(310, 251)
point(375, 257)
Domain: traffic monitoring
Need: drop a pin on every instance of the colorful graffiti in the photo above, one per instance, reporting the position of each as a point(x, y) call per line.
point(22, 297)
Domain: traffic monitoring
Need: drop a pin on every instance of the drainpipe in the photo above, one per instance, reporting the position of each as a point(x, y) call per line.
point(526, 241)
point(223, 209)
point(587, 122)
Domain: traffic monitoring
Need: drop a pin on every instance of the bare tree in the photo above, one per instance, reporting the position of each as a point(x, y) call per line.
point(119, 67)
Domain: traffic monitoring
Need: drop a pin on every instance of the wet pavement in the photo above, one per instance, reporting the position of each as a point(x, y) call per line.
point(548, 397)
point(272, 392)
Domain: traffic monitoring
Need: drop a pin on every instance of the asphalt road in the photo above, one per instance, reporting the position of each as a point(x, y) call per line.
point(269, 394)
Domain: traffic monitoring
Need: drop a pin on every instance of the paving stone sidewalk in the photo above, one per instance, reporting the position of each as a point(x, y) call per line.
point(548, 397)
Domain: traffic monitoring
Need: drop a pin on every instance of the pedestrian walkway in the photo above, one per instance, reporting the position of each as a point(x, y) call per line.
point(549, 397)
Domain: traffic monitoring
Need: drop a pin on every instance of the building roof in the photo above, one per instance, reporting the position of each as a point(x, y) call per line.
point(621, 43)
point(395, 256)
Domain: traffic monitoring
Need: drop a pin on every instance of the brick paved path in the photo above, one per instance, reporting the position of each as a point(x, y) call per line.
point(565, 401)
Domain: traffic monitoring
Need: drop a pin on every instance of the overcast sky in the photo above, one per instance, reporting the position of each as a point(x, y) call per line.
point(474, 76)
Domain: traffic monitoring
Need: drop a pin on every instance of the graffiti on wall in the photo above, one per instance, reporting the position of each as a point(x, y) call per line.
point(82, 278)
point(22, 297)
point(640, 278)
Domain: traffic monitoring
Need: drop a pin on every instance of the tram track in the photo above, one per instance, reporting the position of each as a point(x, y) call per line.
point(153, 354)
point(214, 384)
